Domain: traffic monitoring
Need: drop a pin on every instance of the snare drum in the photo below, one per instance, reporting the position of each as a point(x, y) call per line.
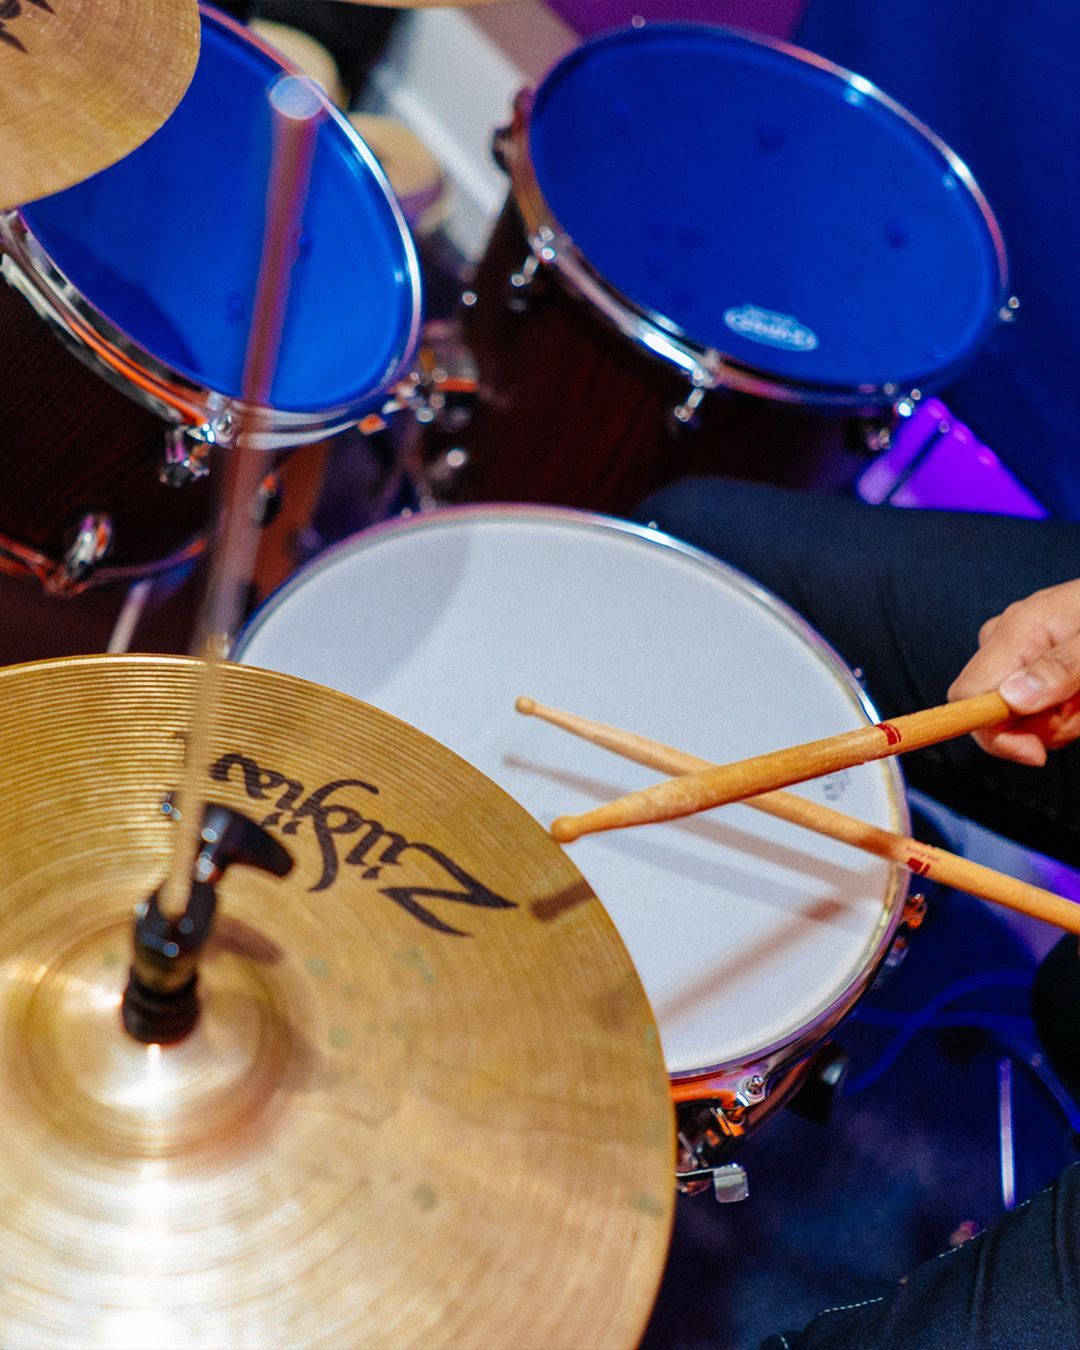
point(753, 937)
point(693, 210)
point(148, 271)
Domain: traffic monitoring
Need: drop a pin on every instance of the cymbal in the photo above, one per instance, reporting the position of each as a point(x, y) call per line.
point(424, 1102)
point(83, 82)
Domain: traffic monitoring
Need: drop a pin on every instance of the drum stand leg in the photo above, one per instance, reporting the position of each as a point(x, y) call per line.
point(128, 619)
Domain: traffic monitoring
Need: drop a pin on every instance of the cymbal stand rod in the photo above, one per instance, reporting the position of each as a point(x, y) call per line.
point(297, 108)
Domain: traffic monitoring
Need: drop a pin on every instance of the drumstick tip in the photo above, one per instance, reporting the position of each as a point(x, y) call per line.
point(564, 830)
point(525, 705)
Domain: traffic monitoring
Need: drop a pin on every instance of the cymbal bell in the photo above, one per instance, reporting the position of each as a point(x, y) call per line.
point(423, 1103)
point(83, 82)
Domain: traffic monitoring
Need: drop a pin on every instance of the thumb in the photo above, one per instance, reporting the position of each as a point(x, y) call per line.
point(1046, 682)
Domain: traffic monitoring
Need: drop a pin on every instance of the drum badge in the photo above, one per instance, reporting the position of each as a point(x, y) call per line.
point(770, 328)
point(11, 9)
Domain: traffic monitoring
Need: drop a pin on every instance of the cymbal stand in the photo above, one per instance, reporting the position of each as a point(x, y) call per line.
point(173, 925)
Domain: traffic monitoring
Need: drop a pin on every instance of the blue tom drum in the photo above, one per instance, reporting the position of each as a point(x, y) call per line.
point(148, 271)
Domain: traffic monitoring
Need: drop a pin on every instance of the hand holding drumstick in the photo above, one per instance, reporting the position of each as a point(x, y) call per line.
point(1031, 651)
point(922, 859)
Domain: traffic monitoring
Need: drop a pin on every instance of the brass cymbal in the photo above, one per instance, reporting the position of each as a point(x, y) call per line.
point(424, 1102)
point(83, 82)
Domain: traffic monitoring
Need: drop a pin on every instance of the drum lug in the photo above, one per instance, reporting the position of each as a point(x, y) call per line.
point(683, 418)
point(269, 499)
point(728, 1181)
point(1009, 310)
point(184, 458)
point(441, 389)
point(751, 1091)
point(706, 1132)
point(522, 284)
point(914, 911)
point(91, 543)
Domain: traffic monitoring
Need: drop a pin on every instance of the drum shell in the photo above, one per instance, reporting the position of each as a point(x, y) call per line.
point(569, 411)
point(72, 446)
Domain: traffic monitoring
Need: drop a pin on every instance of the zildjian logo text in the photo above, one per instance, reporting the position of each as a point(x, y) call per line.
point(11, 9)
point(373, 849)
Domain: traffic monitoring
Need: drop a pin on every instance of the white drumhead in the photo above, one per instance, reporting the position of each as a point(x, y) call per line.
point(745, 929)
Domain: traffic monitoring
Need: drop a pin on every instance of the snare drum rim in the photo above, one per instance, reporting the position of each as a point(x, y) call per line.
point(707, 367)
point(134, 370)
point(814, 1031)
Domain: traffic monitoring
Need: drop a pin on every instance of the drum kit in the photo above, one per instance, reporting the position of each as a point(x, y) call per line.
point(412, 1083)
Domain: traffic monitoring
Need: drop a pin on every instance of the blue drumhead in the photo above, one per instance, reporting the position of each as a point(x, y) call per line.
point(767, 205)
point(167, 244)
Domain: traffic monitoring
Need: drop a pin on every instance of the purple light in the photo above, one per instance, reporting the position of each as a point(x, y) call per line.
point(937, 463)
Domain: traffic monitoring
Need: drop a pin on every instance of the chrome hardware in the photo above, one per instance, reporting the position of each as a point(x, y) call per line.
point(520, 284)
point(728, 1182)
point(184, 460)
point(219, 431)
point(914, 911)
point(906, 405)
point(683, 417)
point(1009, 310)
point(91, 543)
point(707, 1131)
point(441, 388)
point(896, 953)
point(268, 499)
point(751, 1090)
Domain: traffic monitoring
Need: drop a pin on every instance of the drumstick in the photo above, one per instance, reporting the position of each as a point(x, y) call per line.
point(296, 110)
point(937, 864)
point(723, 783)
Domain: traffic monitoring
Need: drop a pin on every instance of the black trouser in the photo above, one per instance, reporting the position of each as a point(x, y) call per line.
point(902, 594)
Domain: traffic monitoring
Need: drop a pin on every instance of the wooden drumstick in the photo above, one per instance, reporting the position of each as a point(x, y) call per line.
point(723, 783)
point(924, 860)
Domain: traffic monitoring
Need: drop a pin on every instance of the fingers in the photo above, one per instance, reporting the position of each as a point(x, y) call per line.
point(1030, 653)
point(1047, 681)
point(1020, 747)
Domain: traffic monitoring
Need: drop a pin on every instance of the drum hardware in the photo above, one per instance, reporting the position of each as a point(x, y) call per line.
point(914, 911)
point(287, 1141)
point(184, 456)
point(441, 391)
point(269, 499)
point(895, 955)
point(442, 384)
point(684, 416)
point(728, 1182)
point(521, 284)
point(91, 545)
point(160, 1003)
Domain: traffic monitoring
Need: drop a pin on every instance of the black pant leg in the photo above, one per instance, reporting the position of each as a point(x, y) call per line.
point(1014, 1287)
